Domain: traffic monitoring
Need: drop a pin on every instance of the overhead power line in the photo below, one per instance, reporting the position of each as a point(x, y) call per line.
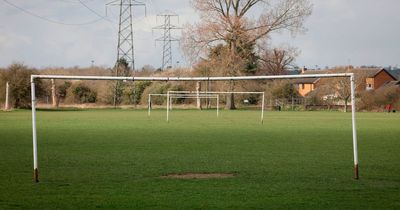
point(72, 1)
point(154, 6)
point(94, 11)
point(48, 19)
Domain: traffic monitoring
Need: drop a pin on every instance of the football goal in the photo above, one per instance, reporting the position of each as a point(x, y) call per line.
point(262, 94)
point(180, 96)
point(166, 79)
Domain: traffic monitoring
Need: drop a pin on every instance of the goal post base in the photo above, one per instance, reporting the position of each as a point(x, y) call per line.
point(36, 175)
point(356, 175)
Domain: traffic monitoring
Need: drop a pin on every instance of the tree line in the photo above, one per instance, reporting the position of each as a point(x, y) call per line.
point(99, 93)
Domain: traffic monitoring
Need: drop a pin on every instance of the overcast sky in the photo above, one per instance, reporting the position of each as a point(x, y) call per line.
point(340, 32)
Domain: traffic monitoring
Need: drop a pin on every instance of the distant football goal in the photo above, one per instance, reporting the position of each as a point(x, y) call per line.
point(180, 96)
point(166, 79)
point(201, 95)
point(262, 94)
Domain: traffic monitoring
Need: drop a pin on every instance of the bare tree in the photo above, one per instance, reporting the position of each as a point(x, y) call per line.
point(277, 61)
point(233, 24)
point(340, 87)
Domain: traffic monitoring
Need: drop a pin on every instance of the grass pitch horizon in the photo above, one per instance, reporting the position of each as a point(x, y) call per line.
point(115, 159)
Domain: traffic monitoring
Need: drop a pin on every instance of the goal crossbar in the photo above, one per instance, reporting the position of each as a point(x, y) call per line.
point(166, 79)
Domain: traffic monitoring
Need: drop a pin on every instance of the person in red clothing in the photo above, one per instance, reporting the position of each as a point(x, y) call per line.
point(389, 108)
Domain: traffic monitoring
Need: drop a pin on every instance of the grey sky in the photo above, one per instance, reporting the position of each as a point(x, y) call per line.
point(339, 32)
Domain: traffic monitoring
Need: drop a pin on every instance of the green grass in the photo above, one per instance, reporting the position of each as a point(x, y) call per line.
point(113, 159)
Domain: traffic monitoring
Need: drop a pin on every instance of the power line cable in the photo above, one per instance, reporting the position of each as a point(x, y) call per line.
point(72, 1)
point(94, 11)
point(50, 20)
point(154, 7)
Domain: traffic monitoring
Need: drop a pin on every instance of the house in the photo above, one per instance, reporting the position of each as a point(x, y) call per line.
point(392, 84)
point(371, 78)
point(378, 78)
point(396, 73)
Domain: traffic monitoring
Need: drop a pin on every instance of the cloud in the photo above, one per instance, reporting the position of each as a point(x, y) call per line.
point(342, 32)
point(362, 31)
point(8, 40)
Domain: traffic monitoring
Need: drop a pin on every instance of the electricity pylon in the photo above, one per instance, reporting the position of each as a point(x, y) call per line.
point(125, 63)
point(167, 39)
point(125, 49)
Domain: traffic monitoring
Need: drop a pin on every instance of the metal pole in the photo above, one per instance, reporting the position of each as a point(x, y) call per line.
point(53, 94)
point(168, 106)
point(353, 119)
point(7, 96)
point(65, 77)
point(262, 108)
point(198, 91)
point(34, 137)
point(217, 105)
point(149, 108)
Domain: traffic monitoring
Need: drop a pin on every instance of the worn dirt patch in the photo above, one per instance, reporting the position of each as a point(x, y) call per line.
point(199, 176)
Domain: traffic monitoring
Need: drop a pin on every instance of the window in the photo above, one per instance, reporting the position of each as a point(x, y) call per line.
point(369, 86)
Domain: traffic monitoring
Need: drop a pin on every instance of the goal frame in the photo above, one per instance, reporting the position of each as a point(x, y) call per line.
point(228, 92)
point(166, 79)
point(170, 96)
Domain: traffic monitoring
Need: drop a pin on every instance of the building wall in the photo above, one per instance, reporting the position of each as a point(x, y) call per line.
point(369, 84)
point(304, 89)
point(381, 79)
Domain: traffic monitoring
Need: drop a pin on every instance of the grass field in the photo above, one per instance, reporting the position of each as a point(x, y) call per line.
point(113, 159)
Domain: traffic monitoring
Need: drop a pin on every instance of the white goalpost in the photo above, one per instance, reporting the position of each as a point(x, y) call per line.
point(166, 79)
point(228, 92)
point(6, 103)
point(183, 96)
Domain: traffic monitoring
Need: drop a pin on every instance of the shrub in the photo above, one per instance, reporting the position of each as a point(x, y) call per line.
point(83, 94)
point(283, 89)
point(160, 88)
point(132, 94)
point(376, 100)
point(18, 76)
